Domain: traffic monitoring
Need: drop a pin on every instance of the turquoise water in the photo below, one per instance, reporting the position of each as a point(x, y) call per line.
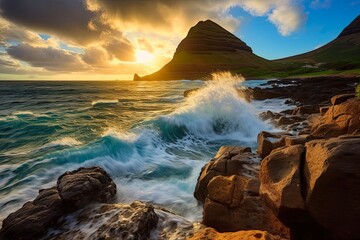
point(150, 138)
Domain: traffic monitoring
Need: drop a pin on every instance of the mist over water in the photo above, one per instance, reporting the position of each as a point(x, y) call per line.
point(151, 139)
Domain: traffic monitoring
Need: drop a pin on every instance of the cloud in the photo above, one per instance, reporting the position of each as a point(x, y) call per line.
point(318, 4)
point(65, 18)
point(96, 57)
point(13, 33)
point(174, 15)
point(286, 15)
point(287, 19)
point(103, 35)
point(49, 58)
point(8, 62)
point(145, 44)
point(164, 16)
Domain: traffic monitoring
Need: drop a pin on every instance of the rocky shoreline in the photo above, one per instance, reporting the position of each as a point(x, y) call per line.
point(303, 183)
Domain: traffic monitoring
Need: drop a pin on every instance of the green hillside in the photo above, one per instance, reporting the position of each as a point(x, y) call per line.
point(208, 47)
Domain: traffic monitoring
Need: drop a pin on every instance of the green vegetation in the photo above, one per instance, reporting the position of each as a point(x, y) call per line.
point(358, 90)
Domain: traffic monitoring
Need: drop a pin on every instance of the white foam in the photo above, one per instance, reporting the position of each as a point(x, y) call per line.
point(65, 141)
point(104, 101)
point(216, 111)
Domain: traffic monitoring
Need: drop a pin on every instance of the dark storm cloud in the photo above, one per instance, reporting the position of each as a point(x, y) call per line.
point(69, 18)
point(50, 58)
point(159, 13)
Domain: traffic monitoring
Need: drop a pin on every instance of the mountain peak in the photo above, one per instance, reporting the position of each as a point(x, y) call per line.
point(208, 36)
point(352, 28)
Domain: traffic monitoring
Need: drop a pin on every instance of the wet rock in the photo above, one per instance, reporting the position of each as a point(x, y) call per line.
point(343, 118)
point(212, 234)
point(323, 110)
point(269, 115)
point(250, 213)
point(108, 221)
point(263, 94)
point(332, 173)
point(269, 141)
point(285, 121)
point(287, 111)
point(281, 183)
point(229, 160)
point(171, 226)
point(34, 218)
point(294, 140)
point(85, 186)
point(231, 190)
point(338, 99)
point(306, 109)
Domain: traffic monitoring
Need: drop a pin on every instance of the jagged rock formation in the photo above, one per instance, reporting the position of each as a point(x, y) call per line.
point(207, 48)
point(74, 191)
point(228, 187)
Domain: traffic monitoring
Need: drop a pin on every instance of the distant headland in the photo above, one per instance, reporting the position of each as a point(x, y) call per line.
point(208, 47)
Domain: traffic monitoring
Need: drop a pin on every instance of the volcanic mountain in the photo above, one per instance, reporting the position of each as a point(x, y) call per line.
point(207, 48)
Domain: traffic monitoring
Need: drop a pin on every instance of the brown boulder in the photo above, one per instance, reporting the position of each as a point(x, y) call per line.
point(85, 186)
point(249, 214)
point(269, 141)
point(280, 182)
point(332, 173)
point(269, 115)
point(323, 110)
point(229, 160)
point(306, 109)
point(343, 118)
point(294, 140)
point(212, 234)
point(109, 221)
point(285, 121)
point(338, 99)
point(34, 218)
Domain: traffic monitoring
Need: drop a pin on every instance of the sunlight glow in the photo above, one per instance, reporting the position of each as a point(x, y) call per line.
point(144, 56)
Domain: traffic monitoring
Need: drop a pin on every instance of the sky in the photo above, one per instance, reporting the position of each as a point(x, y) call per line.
point(113, 39)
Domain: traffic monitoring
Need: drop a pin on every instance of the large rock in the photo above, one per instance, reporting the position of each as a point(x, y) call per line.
point(85, 186)
point(229, 160)
point(343, 118)
point(212, 234)
point(306, 109)
point(338, 99)
point(332, 172)
point(243, 213)
point(109, 221)
point(269, 141)
point(74, 191)
point(229, 188)
point(34, 218)
point(281, 183)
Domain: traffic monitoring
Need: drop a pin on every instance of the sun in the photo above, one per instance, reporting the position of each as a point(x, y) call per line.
point(143, 56)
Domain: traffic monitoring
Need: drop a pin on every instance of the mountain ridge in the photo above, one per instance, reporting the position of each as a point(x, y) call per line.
point(208, 47)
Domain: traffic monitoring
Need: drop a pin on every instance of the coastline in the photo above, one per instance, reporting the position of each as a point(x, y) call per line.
point(288, 120)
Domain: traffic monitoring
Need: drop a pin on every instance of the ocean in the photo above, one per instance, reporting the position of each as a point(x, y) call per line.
point(150, 138)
